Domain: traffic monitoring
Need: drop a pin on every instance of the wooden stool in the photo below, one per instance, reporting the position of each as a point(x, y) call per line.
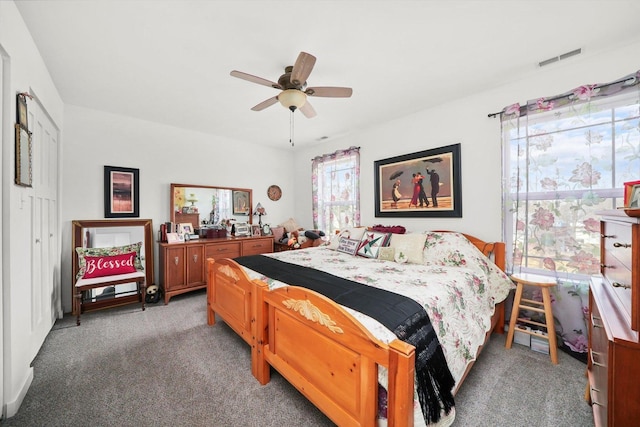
point(544, 283)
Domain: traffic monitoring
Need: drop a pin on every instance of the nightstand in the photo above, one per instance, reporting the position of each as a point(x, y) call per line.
point(281, 247)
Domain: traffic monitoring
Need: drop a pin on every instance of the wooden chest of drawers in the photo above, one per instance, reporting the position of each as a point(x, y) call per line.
point(182, 265)
point(614, 349)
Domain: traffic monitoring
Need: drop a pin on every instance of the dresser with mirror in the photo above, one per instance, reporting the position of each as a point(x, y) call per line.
point(182, 265)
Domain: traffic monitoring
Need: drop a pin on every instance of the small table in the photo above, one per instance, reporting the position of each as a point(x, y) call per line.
point(544, 283)
point(281, 247)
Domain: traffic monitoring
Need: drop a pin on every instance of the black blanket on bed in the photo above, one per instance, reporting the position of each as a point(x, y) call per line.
point(400, 314)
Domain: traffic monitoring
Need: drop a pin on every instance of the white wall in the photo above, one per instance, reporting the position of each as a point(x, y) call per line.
point(164, 155)
point(463, 121)
point(24, 72)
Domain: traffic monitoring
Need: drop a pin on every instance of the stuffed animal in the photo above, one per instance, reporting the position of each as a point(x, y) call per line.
point(293, 239)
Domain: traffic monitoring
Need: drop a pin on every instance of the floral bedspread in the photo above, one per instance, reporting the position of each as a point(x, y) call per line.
point(458, 297)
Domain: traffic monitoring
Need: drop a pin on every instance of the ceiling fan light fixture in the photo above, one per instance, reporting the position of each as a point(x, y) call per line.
point(292, 99)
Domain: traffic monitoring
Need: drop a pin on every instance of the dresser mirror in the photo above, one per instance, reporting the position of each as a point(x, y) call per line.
point(209, 205)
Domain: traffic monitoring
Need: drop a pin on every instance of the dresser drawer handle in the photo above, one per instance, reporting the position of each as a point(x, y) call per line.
point(607, 266)
point(620, 285)
point(608, 236)
point(195, 258)
point(593, 321)
point(621, 245)
point(593, 362)
point(176, 260)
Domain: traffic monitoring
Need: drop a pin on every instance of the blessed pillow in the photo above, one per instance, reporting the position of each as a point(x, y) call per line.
point(350, 233)
point(110, 265)
point(371, 242)
point(408, 247)
point(115, 250)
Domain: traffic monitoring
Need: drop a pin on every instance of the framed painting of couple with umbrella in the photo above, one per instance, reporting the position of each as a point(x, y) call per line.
point(422, 184)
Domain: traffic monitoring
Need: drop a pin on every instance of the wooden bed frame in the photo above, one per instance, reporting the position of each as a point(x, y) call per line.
point(320, 348)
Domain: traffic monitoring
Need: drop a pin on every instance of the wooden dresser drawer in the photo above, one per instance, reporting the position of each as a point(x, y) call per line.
point(598, 357)
point(256, 247)
point(222, 250)
point(617, 242)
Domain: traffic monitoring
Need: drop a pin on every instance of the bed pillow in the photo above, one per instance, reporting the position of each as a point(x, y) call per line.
point(290, 225)
point(371, 242)
point(408, 247)
point(278, 232)
point(453, 249)
point(114, 250)
point(348, 246)
point(386, 253)
point(354, 233)
point(110, 265)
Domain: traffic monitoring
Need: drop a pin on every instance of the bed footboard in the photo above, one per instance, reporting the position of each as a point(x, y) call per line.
point(330, 357)
point(229, 294)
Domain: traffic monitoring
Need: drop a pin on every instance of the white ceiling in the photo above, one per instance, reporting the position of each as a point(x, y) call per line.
point(169, 61)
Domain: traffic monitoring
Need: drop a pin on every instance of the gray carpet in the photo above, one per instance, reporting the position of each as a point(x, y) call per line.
point(166, 367)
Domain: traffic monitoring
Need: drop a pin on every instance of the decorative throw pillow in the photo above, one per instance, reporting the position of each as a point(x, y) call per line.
point(350, 233)
point(408, 247)
point(110, 265)
point(397, 229)
point(371, 242)
point(115, 250)
point(278, 232)
point(348, 246)
point(386, 253)
point(290, 225)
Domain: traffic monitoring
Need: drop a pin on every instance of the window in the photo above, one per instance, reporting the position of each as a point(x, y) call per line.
point(335, 181)
point(565, 159)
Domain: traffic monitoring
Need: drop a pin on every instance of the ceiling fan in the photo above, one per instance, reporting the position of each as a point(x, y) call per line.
point(293, 84)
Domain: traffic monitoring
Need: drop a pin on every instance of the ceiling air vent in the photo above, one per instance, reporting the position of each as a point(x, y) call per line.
point(560, 57)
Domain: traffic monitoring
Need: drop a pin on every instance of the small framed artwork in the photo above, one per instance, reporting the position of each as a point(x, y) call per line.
point(21, 111)
point(174, 238)
point(628, 190)
point(241, 202)
point(634, 197)
point(255, 230)
point(422, 184)
point(24, 172)
point(185, 228)
point(121, 192)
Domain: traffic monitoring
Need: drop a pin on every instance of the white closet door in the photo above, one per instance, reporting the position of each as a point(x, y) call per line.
point(45, 247)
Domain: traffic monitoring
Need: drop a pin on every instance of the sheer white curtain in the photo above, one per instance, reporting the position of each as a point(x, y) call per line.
point(335, 182)
point(567, 157)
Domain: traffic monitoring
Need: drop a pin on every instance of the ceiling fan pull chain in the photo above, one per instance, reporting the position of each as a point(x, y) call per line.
point(291, 128)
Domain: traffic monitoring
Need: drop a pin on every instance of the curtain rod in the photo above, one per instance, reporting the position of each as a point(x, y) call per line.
point(569, 94)
point(336, 152)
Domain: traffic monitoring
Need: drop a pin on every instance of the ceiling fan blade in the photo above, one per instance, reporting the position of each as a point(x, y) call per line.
point(264, 104)
point(308, 110)
point(302, 68)
point(329, 92)
point(255, 79)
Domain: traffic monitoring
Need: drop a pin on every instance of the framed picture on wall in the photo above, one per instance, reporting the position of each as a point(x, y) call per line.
point(121, 192)
point(422, 184)
point(24, 171)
